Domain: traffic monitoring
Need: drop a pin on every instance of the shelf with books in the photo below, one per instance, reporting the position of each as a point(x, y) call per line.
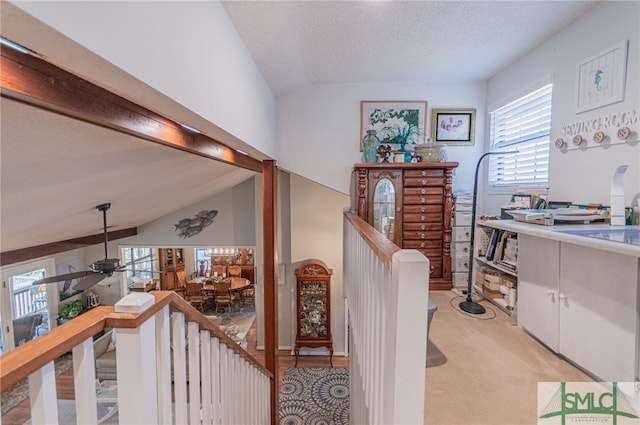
point(496, 265)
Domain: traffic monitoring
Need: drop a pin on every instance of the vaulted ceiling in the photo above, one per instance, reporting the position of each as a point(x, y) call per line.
point(56, 169)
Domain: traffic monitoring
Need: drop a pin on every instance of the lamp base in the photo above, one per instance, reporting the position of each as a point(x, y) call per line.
point(471, 307)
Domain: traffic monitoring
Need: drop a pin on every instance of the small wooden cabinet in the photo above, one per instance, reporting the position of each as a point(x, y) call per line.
point(171, 261)
point(313, 296)
point(412, 204)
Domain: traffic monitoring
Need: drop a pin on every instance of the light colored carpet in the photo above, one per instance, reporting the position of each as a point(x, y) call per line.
point(314, 396)
point(485, 371)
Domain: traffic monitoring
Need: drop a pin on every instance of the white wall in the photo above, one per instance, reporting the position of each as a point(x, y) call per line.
point(316, 233)
point(187, 50)
point(319, 127)
point(581, 176)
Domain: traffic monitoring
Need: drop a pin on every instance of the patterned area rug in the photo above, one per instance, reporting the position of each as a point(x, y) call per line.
point(20, 390)
point(314, 396)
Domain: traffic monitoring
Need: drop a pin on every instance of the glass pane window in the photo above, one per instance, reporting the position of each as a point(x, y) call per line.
point(203, 258)
point(139, 264)
point(523, 125)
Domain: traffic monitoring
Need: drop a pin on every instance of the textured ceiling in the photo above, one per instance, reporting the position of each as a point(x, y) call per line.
point(295, 43)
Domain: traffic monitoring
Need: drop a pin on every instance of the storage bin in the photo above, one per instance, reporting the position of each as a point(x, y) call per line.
point(492, 281)
point(508, 281)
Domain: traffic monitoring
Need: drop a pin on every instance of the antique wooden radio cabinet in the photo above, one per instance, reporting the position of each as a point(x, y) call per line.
point(313, 296)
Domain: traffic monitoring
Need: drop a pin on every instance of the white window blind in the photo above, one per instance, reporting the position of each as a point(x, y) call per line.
point(523, 125)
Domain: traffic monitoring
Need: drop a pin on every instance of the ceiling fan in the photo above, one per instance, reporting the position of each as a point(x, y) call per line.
point(99, 270)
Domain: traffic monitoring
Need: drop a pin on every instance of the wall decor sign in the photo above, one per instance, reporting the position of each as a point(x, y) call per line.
point(453, 126)
point(395, 122)
point(188, 227)
point(600, 79)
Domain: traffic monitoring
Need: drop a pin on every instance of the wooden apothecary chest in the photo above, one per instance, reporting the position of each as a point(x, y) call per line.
point(412, 204)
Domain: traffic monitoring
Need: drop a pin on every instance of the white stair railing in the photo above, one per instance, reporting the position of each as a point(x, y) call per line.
point(387, 294)
point(152, 352)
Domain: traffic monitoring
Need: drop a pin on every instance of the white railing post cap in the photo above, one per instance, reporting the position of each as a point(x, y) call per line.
point(136, 302)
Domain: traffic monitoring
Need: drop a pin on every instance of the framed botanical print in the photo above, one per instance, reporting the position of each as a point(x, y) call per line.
point(395, 122)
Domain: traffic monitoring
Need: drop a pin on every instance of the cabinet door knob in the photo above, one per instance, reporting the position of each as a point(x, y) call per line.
point(398, 209)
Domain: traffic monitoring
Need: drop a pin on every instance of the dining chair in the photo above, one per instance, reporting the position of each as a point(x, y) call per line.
point(181, 283)
point(194, 296)
point(217, 268)
point(223, 295)
point(234, 270)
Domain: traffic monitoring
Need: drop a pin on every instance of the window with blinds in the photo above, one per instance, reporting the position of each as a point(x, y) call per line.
point(523, 125)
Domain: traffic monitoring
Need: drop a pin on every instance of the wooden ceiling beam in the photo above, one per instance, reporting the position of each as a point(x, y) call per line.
point(24, 254)
point(34, 81)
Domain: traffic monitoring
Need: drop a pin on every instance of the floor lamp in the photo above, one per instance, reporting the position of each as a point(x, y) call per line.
point(469, 305)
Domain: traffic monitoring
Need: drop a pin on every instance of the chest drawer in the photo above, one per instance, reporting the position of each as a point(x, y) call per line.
point(436, 192)
point(416, 174)
point(421, 227)
point(462, 218)
point(460, 249)
point(461, 264)
point(461, 234)
point(433, 245)
point(423, 218)
point(435, 265)
point(418, 234)
point(423, 181)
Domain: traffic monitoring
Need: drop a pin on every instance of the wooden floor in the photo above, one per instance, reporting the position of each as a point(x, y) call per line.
point(64, 383)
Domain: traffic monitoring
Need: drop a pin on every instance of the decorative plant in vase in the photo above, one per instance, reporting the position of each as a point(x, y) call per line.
point(402, 135)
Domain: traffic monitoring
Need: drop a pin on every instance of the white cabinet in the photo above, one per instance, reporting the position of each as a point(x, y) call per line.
point(598, 297)
point(580, 302)
point(538, 273)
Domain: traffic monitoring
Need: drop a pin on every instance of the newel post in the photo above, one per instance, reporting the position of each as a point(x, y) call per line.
point(136, 359)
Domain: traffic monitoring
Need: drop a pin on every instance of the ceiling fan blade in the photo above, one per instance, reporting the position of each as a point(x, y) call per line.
point(60, 278)
point(89, 281)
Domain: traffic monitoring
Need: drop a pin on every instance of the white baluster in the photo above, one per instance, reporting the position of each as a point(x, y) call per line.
point(84, 375)
point(194, 372)
point(42, 393)
point(179, 368)
point(163, 360)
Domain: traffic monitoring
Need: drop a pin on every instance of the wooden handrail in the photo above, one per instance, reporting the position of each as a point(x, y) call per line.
point(26, 359)
point(379, 243)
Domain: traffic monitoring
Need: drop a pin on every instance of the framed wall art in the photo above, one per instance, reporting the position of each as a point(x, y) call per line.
point(600, 79)
point(453, 126)
point(398, 122)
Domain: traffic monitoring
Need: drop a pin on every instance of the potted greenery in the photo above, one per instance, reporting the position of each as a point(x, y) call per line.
point(70, 310)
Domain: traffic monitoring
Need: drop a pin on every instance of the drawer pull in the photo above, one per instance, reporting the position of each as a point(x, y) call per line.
point(424, 173)
point(422, 245)
point(431, 269)
point(424, 182)
point(423, 200)
point(423, 227)
point(423, 209)
point(424, 192)
point(421, 218)
point(398, 209)
point(422, 235)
